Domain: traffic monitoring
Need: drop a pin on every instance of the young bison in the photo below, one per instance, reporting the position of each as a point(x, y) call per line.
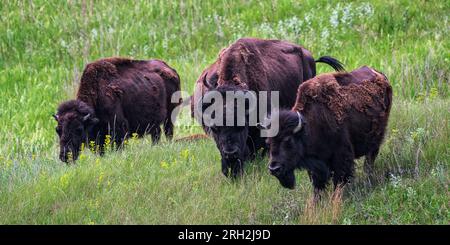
point(337, 117)
point(117, 97)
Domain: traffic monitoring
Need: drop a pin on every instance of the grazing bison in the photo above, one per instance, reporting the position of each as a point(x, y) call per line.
point(253, 65)
point(117, 97)
point(337, 117)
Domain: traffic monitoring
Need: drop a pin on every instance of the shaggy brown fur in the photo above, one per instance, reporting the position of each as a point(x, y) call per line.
point(124, 96)
point(259, 65)
point(342, 92)
point(252, 64)
point(344, 117)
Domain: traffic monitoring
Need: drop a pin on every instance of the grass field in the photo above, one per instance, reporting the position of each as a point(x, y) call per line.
point(44, 46)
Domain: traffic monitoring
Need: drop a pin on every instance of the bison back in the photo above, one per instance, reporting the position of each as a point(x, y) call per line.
point(358, 107)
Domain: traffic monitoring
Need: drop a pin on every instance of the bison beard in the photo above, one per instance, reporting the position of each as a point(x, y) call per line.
point(345, 116)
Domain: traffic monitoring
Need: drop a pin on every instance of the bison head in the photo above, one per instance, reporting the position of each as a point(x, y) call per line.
point(231, 142)
point(225, 114)
point(75, 119)
point(286, 148)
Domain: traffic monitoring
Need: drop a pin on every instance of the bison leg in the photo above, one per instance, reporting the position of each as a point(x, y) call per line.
point(156, 134)
point(319, 174)
point(342, 163)
point(117, 125)
point(319, 181)
point(369, 165)
point(237, 169)
point(225, 168)
point(343, 170)
point(369, 161)
point(168, 129)
point(234, 169)
point(121, 133)
point(96, 142)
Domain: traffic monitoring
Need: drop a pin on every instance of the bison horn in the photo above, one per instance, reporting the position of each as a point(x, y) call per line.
point(300, 122)
point(274, 168)
point(55, 117)
point(205, 83)
point(261, 126)
point(86, 117)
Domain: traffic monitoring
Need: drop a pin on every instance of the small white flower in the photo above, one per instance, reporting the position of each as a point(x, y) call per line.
point(63, 43)
point(396, 181)
point(94, 33)
point(410, 192)
point(325, 34)
point(347, 15)
point(110, 30)
point(365, 10)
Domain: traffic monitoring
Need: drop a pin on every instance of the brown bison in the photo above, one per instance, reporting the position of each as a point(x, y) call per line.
point(337, 117)
point(253, 65)
point(117, 97)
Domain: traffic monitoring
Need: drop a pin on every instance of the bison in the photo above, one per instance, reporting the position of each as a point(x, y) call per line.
point(117, 97)
point(252, 65)
point(337, 118)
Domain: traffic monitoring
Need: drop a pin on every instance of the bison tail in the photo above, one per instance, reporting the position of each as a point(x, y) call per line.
point(388, 99)
point(336, 64)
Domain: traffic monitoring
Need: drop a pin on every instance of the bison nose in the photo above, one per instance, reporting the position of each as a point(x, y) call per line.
point(274, 168)
point(233, 154)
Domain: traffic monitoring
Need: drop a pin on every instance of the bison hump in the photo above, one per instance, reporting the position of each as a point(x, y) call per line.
point(341, 97)
point(96, 75)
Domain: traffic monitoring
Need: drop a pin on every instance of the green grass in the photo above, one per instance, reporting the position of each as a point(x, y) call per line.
point(44, 46)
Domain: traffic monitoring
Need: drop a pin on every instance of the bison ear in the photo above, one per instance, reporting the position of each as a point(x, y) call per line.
point(90, 119)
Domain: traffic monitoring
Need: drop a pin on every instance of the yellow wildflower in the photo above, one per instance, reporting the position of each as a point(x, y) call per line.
point(164, 164)
point(185, 154)
point(134, 136)
point(92, 145)
point(64, 180)
point(82, 157)
point(100, 178)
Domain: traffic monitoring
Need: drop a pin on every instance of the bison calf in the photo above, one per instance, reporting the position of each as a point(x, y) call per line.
point(117, 97)
point(337, 117)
